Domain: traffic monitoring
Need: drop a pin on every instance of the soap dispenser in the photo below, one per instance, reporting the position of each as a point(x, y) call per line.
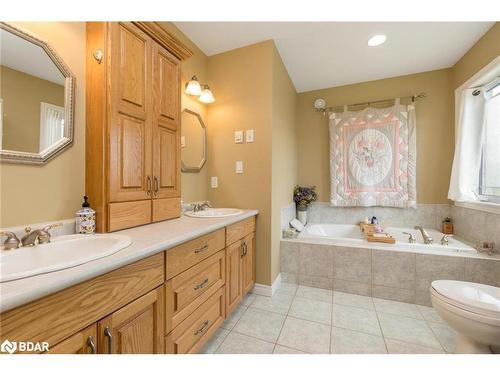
point(85, 218)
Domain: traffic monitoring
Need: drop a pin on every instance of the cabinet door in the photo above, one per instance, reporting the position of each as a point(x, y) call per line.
point(248, 263)
point(166, 143)
point(234, 254)
point(130, 131)
point(137, 328)
point(83, 342)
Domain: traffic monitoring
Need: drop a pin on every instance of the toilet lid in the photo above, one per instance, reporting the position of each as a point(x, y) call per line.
point(479, 298)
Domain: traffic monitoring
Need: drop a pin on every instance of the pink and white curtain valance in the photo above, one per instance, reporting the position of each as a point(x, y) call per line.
point(373, 157)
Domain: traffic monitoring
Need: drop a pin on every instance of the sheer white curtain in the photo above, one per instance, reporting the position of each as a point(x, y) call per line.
point(464, 182)
point(51, 124)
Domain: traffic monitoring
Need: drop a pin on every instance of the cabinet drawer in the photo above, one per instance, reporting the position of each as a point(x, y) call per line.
point(239, 230)
point(188, 290)
point(194, 332)
point(188, 254)
point(128, 214)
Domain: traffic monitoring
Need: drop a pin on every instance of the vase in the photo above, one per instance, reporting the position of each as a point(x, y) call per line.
point(302, 214)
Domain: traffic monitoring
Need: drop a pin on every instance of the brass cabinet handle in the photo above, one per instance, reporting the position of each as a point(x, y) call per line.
point(149, 186)
point(91, 345)
point(202, 328)
point(156, 185)
point(201, 249)
point(243, 249)
point(107, 333)
point(201, 285)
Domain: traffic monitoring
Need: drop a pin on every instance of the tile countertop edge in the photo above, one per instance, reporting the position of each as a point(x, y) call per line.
point(19, 292)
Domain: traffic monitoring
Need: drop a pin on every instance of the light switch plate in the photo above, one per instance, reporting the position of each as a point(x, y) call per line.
point(214, 182)
point(238, 136)
point(183, 141)
point(239, 166)
point(250, 135)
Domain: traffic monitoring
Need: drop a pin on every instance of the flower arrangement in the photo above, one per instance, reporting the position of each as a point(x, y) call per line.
point(304, 195)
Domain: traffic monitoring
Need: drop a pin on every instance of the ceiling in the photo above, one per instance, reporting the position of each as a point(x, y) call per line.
point(326, 54)
point(19, 54)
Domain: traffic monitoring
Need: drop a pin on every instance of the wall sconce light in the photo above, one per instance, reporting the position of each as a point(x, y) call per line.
point(193, 87)
point(206, 95)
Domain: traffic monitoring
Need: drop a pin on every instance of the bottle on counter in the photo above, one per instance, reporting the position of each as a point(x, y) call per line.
point(85, 218)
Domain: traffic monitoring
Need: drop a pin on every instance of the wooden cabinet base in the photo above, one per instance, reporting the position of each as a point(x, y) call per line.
point(137, 328)
point(196, 330)
point(60, 315)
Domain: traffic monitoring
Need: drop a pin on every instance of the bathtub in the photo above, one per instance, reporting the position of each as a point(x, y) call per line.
point(351, 235)
point(337, 257)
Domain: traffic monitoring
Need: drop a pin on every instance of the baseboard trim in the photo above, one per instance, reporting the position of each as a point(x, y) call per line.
point(267, 290)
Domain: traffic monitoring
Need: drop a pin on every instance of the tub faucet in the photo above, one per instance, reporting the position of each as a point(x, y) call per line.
point(427, 239)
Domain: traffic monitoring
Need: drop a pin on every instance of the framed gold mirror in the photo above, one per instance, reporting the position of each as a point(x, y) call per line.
point(193, 141)
point(36, 99)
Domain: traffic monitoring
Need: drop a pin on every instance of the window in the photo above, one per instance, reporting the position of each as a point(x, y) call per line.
point(489, 176)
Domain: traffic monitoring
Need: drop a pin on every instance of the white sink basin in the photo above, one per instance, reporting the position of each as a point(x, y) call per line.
point(214, 212)
point(63, 252)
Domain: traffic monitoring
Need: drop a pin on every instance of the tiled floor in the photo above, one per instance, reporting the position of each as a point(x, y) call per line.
point(300, 319)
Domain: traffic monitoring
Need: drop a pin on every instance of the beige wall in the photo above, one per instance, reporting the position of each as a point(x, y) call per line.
point(22, 95)
point(242, 83)
point(31, 194)
point(284, 152)
point(482, 53)
point(435, 131)
point(194, 185)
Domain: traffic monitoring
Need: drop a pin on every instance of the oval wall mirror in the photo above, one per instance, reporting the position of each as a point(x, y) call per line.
point(193, 141)
point(36, 99)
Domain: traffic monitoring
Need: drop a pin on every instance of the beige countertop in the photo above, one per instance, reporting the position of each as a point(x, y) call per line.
point(147, 240)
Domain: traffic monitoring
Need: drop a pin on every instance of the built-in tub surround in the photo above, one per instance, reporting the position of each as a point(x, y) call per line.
point(400, 272)
point(147, 240)
point(469, 224)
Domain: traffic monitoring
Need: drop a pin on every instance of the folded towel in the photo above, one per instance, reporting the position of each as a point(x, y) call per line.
point(297, 225)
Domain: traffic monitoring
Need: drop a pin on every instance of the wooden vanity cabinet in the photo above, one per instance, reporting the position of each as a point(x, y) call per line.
point(171, 302)
point(240, 261)
point(133, 123)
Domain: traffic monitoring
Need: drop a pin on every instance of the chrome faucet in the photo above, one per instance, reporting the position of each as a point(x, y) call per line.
point(42, 235)
point(427, 239)
point(201, 206)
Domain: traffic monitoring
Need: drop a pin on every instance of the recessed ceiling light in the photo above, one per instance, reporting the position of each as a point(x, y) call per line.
point(376, 40)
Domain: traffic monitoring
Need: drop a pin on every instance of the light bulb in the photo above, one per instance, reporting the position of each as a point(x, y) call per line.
point(206, 95)
point(193, 87)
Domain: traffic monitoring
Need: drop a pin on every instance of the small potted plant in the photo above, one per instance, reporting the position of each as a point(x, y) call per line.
point(303, 196)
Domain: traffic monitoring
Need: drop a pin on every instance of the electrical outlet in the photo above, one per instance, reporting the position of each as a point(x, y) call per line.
point(214, 182)
point(239, 166)
point(250, 136)
point(183, 141)
point(238, 136)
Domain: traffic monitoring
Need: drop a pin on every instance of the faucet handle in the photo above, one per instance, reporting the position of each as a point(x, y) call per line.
point(50, 226)
point(11, 242)
point(411, 238)
point(444, 239)
point(45, 236)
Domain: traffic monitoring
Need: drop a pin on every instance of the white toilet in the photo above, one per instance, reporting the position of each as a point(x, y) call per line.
point(473, 310)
